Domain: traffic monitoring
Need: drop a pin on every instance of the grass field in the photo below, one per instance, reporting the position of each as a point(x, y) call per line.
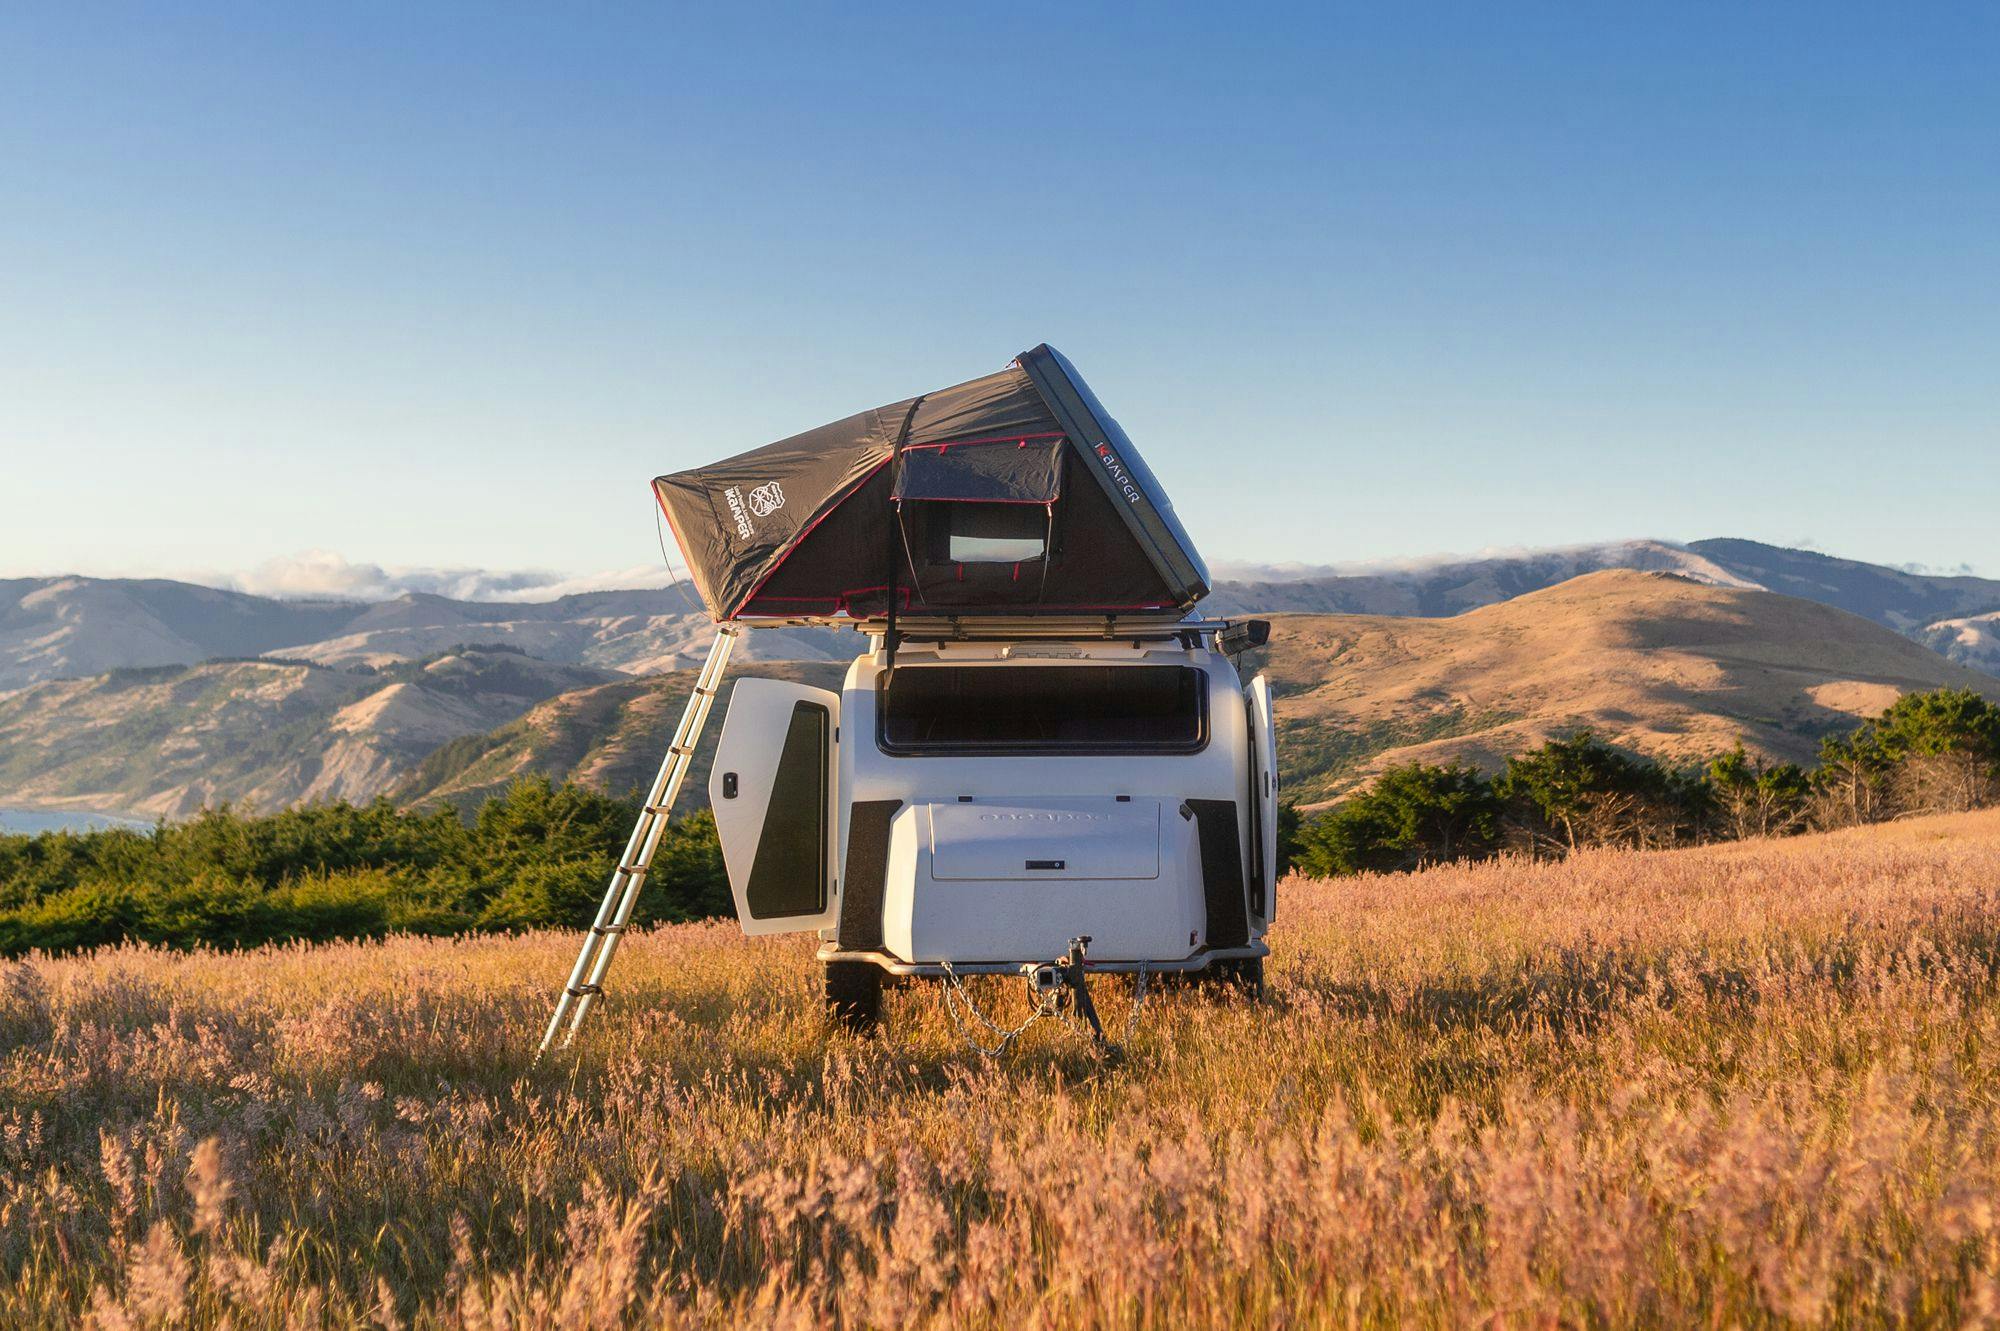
point(1746, 1085)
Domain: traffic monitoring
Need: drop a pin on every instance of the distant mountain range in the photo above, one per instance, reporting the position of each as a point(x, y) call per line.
point(65, 627)
point(72, 626)
point(1910, 603)
point(157, 697)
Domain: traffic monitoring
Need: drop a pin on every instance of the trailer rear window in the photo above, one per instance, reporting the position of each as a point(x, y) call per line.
point(1043, 709)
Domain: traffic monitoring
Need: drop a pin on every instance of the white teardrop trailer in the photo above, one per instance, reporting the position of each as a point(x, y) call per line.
point(1044, 764)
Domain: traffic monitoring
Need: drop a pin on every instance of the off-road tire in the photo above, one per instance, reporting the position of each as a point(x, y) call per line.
point(1235, 976)
point(854, 995)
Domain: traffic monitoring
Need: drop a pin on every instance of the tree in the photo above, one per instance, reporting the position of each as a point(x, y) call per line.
point(1850, 785)
point(1413, 816)
point(1946, 748)
point(1754, 800)
point(1288, 839)
point(1936, 752)
point(1578, 791)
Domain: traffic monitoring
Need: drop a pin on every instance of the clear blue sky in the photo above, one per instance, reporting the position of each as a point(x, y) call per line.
point(433, 286)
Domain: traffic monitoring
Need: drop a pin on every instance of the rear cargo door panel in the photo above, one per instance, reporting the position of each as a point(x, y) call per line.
point(1264, 798)
point(1083, 838)
point(772, 791)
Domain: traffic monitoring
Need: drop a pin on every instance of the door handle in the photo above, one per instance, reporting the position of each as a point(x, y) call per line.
point(729, 785)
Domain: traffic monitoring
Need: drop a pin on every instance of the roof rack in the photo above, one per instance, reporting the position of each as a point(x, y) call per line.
point(1232, 635)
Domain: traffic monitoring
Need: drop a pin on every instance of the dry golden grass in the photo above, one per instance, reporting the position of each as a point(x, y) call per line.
point(1746, 1085)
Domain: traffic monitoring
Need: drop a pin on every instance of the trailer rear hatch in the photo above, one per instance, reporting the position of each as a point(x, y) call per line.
point(1099, 838)
point(1001, 878)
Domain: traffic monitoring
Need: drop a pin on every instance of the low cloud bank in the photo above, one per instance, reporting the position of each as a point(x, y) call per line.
point(324, 575)
point(1613, 552)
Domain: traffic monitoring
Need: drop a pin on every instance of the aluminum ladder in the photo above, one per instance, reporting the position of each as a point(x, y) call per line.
point(586, 978)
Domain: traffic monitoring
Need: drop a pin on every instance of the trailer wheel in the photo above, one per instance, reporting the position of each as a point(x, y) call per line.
point(1237, 975)
point(854, 995)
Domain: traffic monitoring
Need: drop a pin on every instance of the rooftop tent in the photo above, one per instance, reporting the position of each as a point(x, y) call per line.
point(1016, 493)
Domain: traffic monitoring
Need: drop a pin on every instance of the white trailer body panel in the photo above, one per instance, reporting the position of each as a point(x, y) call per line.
point(773, 788)
point(996, 816)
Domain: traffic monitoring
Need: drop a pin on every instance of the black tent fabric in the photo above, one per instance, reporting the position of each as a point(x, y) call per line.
point(1014, 493)
point(990, 471)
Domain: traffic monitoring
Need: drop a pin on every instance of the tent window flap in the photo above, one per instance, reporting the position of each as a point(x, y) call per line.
point(1002, 471)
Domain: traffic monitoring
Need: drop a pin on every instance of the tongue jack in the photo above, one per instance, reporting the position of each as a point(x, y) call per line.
point(1071, 966)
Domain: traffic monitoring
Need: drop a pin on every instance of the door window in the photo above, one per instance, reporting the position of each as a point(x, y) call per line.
point(789, 874)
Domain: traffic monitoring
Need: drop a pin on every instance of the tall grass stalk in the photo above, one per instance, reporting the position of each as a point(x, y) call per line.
point(1754, 1084)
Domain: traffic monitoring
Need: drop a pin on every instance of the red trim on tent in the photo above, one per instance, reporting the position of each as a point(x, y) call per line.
point(920, 499)
point(1018, 440)
point(679, 544)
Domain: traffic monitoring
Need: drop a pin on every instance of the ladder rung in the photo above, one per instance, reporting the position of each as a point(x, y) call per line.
point(601, 942)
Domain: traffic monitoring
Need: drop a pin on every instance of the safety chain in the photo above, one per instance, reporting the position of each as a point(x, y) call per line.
point(955, 993)
point(1049, 1005)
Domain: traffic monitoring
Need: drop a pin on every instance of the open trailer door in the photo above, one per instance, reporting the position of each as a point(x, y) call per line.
point(772, 791)
point(1263, 797)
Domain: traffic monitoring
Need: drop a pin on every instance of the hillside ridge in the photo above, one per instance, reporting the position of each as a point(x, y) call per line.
point(1658, 663)
point(168, 740)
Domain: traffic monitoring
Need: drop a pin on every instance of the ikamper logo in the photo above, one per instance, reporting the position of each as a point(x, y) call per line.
point(1118, 473)
point(1033, 817)
point(734, 497)
point(765, 500)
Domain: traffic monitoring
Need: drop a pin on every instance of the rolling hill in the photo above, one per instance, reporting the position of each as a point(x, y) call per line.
point(1673, 650)
point(259, 734)
point(609, 736)
point(54, 628)
point(1661, 664)
point(1973, 640)
point(1657, 662)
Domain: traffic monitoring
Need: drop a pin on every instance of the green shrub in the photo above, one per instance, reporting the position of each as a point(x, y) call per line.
point(1412, 816)
point(537, 855)
point(1928, 753)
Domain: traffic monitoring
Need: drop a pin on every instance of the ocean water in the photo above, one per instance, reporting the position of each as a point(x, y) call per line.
point(31, 821)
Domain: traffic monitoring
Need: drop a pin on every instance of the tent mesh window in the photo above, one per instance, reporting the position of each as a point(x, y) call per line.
point(983, 533)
